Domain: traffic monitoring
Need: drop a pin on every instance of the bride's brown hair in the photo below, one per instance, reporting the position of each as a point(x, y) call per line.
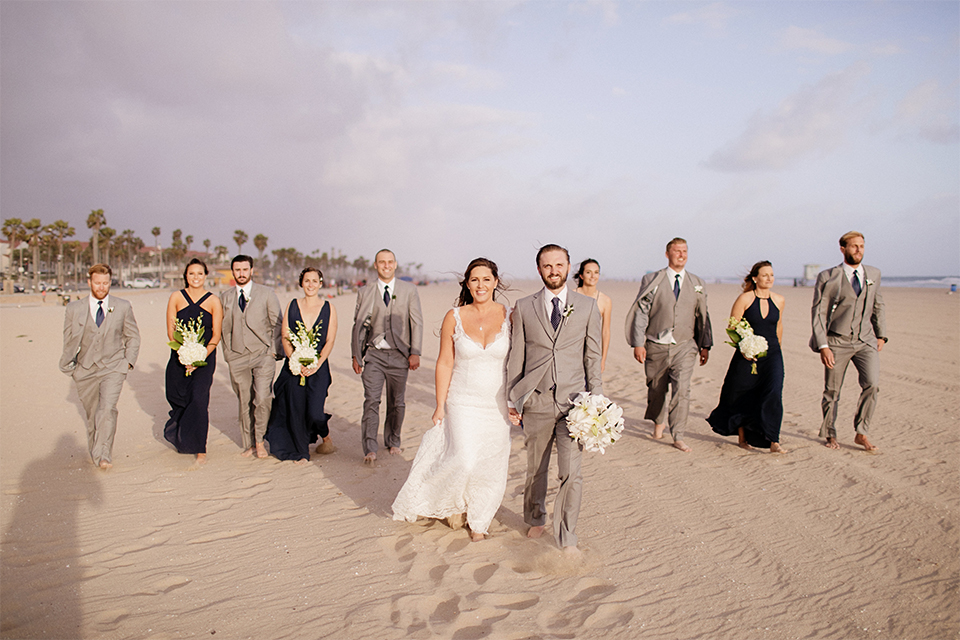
point(466, 297)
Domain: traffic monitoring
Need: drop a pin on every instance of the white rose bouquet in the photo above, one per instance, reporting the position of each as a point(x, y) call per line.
point(188, 343)
point(595, 421)
point(304, 350)
point(743, 338)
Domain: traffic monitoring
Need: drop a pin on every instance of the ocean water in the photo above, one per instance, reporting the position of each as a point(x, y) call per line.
point(928, 282)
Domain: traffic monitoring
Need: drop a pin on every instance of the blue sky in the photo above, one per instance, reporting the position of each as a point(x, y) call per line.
point(447, 130)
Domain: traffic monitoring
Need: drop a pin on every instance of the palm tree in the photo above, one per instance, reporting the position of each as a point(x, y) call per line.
point(176, 247)
point(221, 252)
point(206, 245)
point(188, 241)
point(13, 230)
point(240, 237)
point(95, 220)
point(260, 242)
point(61, 229)
point(74, 247)
point(106, 235)
point(156, 241)
point(131, 246)
point(32, 230)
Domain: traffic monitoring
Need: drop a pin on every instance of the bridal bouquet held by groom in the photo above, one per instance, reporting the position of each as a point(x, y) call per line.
point(555, 355)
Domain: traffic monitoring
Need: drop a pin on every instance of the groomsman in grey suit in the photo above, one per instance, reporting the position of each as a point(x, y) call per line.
point(386, 341)
point(555, 353)
point(849, 325)
point(668, 327)
point(100, 345)
point(252, 322)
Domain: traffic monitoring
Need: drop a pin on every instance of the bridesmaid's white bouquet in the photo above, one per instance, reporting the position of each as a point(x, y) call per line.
point(595, 421)
point(743, 338)
point(187, 342)
point(304, 350)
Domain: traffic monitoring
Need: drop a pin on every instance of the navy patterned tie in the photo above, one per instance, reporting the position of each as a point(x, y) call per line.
point(555, 315)
point(856, 284)
point(100, 313)
point(386, 296)
point(242, 301)
point(676, 287)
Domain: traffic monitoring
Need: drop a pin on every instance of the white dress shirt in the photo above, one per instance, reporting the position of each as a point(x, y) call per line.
point(381, 287)
point(548, 301)
point(94, 304)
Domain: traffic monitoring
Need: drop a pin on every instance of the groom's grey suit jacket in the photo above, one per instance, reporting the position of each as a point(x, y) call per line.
point(560, 363)
point(838, 311)
point(113, 346)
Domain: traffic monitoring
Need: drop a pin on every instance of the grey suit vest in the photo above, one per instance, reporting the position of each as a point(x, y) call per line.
point(91, 344)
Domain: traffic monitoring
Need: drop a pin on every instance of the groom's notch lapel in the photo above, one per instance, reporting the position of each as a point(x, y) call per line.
point(538, 309)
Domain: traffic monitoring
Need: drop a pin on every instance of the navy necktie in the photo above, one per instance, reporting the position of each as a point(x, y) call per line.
point(386, 296)
point(676, 287)
point(242, 301)
point(856, 283)
point(555, 315)
point(100, 313)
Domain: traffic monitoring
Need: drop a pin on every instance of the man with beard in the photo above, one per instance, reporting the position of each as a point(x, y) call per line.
point(252, 322)
point(555, 353)
point(849, 325)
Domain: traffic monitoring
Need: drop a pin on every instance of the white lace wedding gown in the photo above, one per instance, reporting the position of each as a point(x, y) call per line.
point(461, 465)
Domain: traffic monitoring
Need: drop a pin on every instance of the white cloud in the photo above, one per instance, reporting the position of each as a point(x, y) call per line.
point(713, 15)
point(812, 40)
point(813, 120)
point(929, 112)
point(466, 76)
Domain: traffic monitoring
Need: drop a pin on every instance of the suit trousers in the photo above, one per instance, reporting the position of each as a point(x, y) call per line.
point(867, 361)
point(540, 430)
point(99, 391)
point(383, 367)
point(251, 375)
point(669, 365)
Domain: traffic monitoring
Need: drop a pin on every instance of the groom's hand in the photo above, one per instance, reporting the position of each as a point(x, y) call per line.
point(356, 367)
point(414, 362)
point(640, 353)
point(514, 417)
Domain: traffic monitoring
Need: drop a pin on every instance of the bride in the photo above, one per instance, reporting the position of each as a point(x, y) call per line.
point(461, 466)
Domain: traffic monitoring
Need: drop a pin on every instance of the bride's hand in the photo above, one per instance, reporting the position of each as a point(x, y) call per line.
point(438, 416)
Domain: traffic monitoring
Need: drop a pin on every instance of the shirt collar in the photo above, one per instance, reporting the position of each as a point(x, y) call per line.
point(848, 271)
point(246, 289)
point(549, 296)
point(673, 274)
point(381, 285)
point(94, 302)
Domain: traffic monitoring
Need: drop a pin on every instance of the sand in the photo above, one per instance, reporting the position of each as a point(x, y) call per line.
point(717, 543)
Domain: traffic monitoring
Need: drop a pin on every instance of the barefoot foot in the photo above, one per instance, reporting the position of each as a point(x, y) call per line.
point(776, 448)
point(395, 451)
point(658, 430)
point(326, 447)
point(370, 458)
point(261, 450)
point(477, 537)
point(456, 521)
point(742, 440)
point(302, 462)
point(831, 443)
point(535, 532)
point(246, 453)
point(105, 465)
point(201, 458)
point(680, 444)
point(863, 442)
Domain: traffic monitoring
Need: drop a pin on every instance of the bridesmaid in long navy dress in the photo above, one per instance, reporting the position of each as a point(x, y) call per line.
point(751, 405)
point(189, 396)
point(297, 417)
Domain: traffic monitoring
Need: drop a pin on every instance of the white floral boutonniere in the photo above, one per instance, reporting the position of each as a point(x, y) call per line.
point(109, 309)
point(698, 288)
point(869, 282)
point(568, 311)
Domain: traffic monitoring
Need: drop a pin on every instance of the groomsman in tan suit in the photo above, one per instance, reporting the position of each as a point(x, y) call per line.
point(100, 345)
point(668, 327)
point(252, 322)
point(849, 324)
point(386, 341)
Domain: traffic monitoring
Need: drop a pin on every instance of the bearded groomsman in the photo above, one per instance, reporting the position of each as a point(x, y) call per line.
point(668, 327)
point(386, 341)
point(849, 325)
point(251, 346)
point(100, 345)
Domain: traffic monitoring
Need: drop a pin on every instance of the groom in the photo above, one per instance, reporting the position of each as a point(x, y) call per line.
point(554, 355)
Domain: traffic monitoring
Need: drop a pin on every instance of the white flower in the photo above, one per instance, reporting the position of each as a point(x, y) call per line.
point(188, 343)
point(595, 421)
point(869, 282)
point(568, 311)
point(191, 352)
point(698, 289)
point(304, 350)
point(110, 309)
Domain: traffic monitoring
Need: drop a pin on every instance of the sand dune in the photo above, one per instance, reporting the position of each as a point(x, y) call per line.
point(719, 543)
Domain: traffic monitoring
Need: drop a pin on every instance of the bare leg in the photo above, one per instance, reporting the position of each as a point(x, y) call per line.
point(742, 440)
point(535, 532)
point(861, 439)
point(680, 444)
point(658, 430)
point(831, 443)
